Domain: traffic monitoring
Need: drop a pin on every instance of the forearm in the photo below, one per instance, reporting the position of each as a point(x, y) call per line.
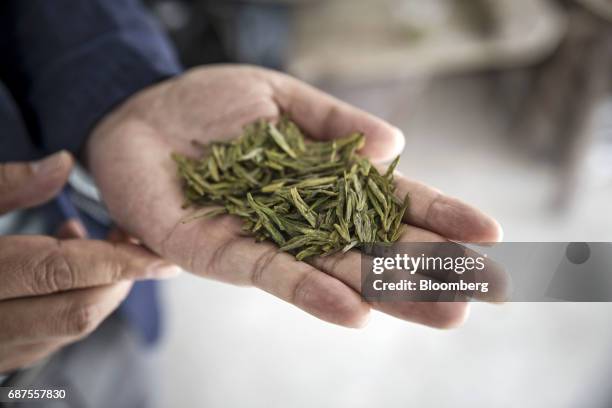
point(69, 63)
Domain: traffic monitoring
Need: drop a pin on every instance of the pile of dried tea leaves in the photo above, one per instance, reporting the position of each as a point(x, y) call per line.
point(310, 198)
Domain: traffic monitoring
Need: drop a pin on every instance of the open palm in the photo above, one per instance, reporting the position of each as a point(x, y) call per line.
point(129, 155)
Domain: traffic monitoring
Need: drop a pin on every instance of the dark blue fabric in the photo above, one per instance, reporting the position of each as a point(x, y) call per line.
point(63, 65)
point(69, 62)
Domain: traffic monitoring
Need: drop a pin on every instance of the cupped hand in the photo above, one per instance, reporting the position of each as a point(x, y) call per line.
point(129, 155)
point(55, 291)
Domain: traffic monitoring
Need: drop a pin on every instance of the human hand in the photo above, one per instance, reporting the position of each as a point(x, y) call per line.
point(129, 155)
point(55, 291)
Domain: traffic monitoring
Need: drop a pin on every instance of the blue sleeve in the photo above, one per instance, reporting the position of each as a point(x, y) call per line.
point(68, 62)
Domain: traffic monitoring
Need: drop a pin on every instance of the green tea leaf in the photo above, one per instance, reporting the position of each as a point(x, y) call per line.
point(303, 208)
point(280, 140)
point(311, 199)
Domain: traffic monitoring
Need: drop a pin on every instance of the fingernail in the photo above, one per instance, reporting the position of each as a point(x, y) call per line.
point(363, 322)
point(399, 133)
point(50, 164)
point(500, 231)
point(164, 270)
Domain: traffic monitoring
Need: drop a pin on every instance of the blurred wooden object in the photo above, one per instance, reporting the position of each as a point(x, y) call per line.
point(360, 41)
point(602, 8)
point(566, 89)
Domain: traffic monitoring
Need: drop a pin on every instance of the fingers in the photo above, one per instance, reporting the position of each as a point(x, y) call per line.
point(325, 117)
point(449, 217)
point(493, 273)
point(347, 268)
point(24, 185)
point(239, 260)
point(66, 316)
point(14, 357)
point(36, 265)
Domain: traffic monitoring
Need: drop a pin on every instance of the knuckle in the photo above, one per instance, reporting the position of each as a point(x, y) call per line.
point(11, 175)
point(302, 288)
point(431, 212)
point(5, 180)
point(115, 270)
point(216, 264)
point(81, 319)
point(53, 272)
point(261, 265)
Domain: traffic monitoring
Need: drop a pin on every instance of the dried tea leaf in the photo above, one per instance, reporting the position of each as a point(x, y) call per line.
point(311, 199)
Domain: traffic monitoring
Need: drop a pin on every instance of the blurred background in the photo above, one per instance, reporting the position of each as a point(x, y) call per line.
point(505, 104)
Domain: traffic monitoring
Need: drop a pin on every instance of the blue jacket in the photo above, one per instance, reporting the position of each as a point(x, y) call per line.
point(63, 65)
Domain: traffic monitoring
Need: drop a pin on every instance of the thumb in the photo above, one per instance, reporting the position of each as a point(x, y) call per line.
point(28, 184)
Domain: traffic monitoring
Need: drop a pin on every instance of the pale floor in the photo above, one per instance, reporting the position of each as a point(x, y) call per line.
point(236, 347)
